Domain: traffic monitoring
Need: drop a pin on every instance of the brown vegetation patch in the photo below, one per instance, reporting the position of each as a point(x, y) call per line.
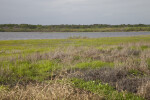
point(130, 84)
point(144, 90)
point(53, 91)
point(119, 78)
point(105, 74)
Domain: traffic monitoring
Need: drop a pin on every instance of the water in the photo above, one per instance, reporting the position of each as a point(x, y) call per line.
point(64, 35)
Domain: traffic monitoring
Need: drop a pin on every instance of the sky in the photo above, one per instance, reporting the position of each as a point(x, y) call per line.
point(55, 12)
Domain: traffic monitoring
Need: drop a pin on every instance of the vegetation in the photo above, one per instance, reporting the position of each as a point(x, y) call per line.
point(104, 89)
point(73, 28)
point(110, 68)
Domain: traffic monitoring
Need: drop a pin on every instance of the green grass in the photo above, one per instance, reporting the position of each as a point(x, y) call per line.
point(144, 47)
point(104, 89)
point(135, 72)
point(28, 71)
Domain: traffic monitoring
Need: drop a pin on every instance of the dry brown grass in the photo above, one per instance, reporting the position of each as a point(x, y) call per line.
point(144, 90)
point(55, 91)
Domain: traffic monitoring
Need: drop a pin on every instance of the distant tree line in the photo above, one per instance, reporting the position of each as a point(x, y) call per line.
point(73, 28)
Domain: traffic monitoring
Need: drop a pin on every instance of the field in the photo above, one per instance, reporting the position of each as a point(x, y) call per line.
point(111, 68)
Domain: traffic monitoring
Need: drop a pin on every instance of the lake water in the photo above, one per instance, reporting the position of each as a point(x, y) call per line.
point(64, 35)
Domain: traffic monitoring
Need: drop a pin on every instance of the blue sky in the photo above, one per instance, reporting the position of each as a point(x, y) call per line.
point(47, 12)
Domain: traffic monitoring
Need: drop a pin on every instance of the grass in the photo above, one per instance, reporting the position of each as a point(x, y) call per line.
point(104, 89)
point(144, 47)
point(27, 71)
point(93, 64)
point(94, 68)
point(135, 72)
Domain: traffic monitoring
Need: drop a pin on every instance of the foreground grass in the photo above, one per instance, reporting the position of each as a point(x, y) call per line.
point(104, 68)
point(105, 90)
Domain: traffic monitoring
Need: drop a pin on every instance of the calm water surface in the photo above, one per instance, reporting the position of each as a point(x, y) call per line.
point(64, 35)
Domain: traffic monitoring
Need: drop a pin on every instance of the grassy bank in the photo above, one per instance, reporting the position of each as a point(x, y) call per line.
point(112, 68)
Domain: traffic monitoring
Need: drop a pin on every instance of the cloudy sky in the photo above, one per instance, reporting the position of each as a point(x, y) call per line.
point(49, 12)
